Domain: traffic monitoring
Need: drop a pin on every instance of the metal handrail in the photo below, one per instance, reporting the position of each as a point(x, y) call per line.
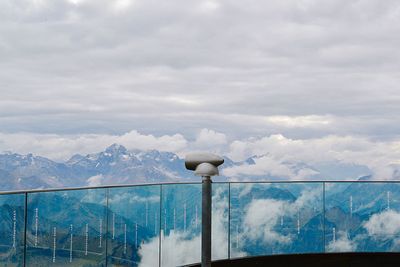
point(191, 182)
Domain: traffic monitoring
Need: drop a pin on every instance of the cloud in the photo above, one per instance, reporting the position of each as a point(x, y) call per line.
point(273, 155)
point(210, 140)
point(184, 247)
point(299, 121)
point(279, 153)
point(179, 248)
point(383, 225)
point(95, 180)
point(342, 243)
point(261, 216)
point(132, 199)
point(270, 166)
point(301, 69)
point(263, 166)
point(149, 253)
point(63, 146)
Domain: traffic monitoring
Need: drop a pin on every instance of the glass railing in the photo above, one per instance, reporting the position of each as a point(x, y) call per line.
point(160, 224)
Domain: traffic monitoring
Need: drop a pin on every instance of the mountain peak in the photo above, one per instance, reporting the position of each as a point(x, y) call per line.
point(116, 149)
point(75, 158)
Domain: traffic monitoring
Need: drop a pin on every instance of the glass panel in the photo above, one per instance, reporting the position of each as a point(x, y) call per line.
point(276, 218)
point(134, 226)
point(12, 228)
point(66, 228)
point(362, 217)
point(220, 221)
point(181, 223)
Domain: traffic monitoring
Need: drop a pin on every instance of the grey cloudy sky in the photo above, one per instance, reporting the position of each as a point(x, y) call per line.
point(303, 69)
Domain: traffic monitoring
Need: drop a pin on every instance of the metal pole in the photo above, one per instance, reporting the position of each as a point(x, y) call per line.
point(206, 222)
point(25, 226)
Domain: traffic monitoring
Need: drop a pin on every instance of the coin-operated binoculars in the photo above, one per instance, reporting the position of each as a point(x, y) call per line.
point(205, 165)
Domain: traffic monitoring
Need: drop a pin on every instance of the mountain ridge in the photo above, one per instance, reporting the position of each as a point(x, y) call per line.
point(118, 165)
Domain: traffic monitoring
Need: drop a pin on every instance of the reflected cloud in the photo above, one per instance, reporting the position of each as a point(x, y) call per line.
point(262, 216)
point(384, 225)
point(342, 243)
point(182, 247)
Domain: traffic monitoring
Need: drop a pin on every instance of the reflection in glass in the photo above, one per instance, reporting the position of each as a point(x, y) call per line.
point(220, 221)
point(145, 224)
point(134, 226)
point(363, 217)
point(278, 218)
point(181, 223)
point(66, 228)
point(12, 227)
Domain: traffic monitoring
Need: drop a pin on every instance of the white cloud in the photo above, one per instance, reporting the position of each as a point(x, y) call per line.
point(149, 253)
point(209, 6)
point(276, 155)
point(383, 225)
point(210, 139)
point(308, 198)
point(121, 5)
point(179, 247)
point(61, 147)
point(95, 180)
point(261, 217)
point(342, 243)
point(299, 121)
point(75, 2)
point(270, 166)
point(263, 166)
point(279, 151)
point(306, 69)
point(132, 199)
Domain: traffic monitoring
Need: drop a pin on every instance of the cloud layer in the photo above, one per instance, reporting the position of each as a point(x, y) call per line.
point(273, 155)
point(288, 81)
point(298, 68)
point(382, 157)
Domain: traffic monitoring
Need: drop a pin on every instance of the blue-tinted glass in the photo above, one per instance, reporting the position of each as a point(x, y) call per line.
point(220, 221)
point(181, 224)
point(69, 227)
point(278, 218)
point(134, 226)
point(12, 227)
point(362, 217)
point(66, 228)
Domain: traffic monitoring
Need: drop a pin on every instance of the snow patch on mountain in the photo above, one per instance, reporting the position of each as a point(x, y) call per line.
point(118, 165)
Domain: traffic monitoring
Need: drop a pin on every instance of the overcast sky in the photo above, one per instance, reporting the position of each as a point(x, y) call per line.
point(239, 70)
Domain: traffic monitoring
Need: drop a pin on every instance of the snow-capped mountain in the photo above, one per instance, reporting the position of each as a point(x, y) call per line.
point(28, 171)
point(117, 165)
